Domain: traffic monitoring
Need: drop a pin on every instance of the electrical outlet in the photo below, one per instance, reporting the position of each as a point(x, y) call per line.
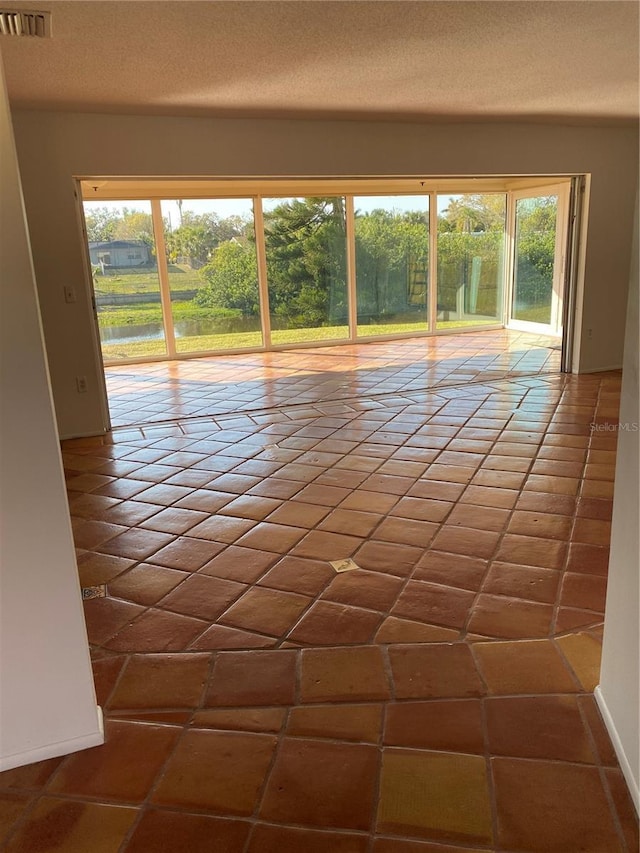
point(590, 333)
point(81, 384)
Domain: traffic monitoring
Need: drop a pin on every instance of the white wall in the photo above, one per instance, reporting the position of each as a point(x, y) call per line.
point(53, 147)
point(47, 700)
point(619, 690)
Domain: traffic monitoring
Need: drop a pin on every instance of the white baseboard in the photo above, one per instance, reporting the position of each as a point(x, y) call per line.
point(53, 750)
point(632, 782)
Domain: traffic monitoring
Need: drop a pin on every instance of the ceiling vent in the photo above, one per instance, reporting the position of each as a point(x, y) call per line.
point(33, 24)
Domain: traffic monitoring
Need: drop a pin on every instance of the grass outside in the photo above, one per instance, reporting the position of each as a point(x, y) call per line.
point(534, 314)
point(461, 324)
point(151, 312)
point(253, 339)
point(181, 277)
point(221, 341)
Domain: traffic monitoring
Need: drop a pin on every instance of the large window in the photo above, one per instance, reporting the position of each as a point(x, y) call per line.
point(278, 264)
point(535, 241)
point(212, 272)
point(392, 264)
point(471, 246)
point(306, 257)
point(124, 268)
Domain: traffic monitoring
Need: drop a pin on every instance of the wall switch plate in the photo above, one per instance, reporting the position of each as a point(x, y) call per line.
point(69, 294)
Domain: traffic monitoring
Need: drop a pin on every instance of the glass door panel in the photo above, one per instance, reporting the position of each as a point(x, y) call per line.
point(392, 264)
point(306, 255)
point(212, 274)
point(124, 270)
point(471, 243)
point(534, 259)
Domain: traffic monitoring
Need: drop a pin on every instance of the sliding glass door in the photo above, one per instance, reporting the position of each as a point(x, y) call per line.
point(126, 284)
point(306, 267)
point(538, 227)
point(174, 277)
point(471, 254)
point(392, 264)
point(212, 274)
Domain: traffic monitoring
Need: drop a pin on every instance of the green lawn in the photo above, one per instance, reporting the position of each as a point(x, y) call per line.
point(535, 314)
point(151, 312)
point(222, 341)
point(460, 324)
point(181, 277)
point(253, 339)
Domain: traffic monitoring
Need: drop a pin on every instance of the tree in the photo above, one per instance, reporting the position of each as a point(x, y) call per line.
point(134, 225)
point(391, 251)
point(473, 213)
point(199, 234)
point(231, 279)
point(306, 261)
point(101, 223)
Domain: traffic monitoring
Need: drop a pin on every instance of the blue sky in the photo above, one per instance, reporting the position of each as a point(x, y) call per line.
point(243, 206)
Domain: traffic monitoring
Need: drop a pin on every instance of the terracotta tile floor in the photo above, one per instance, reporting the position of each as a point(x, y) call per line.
point(437, 698)
point(149, 393)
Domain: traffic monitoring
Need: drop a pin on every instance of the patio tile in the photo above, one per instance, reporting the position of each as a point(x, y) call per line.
point(360, 723)
point(123, 768)
point(456, 570)
point(454, 804)
point(343, 675)
point(328, 624)
point(434, 604)
point(322, 784)
point(524, 666)
point(395, 630)
point(266, 611)
point(220, 772)
point(372, 590)
point(501, 616)
point(186, 553)
point(162, 830)
point(241, 719)
point(244, 565)
point(548, 727)
point(551, 806)
point(59, 825)
point(522, 582)
point(434, 671)
point(203, 597)
point(157, 631)
point(161, 681)
point(443, 725)
point(267, 838)
point(278, 538)
point(253, 678)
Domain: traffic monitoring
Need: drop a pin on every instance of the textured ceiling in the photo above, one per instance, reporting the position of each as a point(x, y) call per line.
point(412, 60)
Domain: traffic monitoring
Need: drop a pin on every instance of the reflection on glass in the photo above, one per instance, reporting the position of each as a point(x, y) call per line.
point(471, 232)
point(392, 264)
point(125, 279)
point(535, 251)
point(213, 274)
point(305, 241)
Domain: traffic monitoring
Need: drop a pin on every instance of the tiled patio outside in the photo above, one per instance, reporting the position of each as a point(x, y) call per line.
point(436, 699)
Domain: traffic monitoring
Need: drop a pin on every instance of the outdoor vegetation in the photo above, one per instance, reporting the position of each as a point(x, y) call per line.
point(213, 274)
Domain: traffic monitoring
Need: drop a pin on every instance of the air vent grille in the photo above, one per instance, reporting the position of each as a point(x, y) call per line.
point(33, 24)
